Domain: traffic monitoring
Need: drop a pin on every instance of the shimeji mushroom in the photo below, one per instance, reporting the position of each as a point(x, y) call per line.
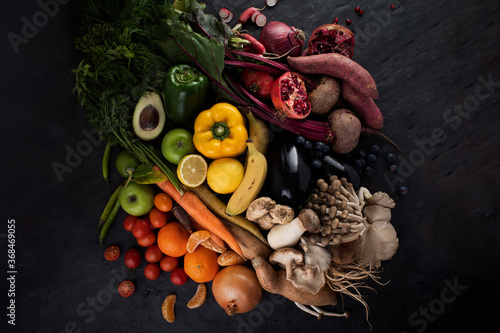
point(288, 235)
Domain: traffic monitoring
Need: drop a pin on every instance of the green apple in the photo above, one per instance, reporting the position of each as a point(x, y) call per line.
point(126, 163)
point(176, 144)
point(137, 199)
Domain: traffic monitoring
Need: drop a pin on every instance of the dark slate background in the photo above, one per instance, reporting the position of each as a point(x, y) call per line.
point(432, 61)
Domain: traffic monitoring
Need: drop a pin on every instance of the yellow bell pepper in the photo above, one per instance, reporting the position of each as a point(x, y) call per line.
point(220, 132)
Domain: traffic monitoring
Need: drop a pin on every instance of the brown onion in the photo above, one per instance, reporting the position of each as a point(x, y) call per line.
point(279, 38)
point(236, 289)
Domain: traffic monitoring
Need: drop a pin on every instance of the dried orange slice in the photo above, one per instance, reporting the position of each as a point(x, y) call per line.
point(167, 309)
point(199, 297)
point(196, 238)
point(211, 245)
point(230, 258)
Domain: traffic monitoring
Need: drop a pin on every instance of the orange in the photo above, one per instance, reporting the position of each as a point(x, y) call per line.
point(196, 239)
point(199, 297)
point(201, 265)
point(167, 308)
point(230, 258)
point(172, 239)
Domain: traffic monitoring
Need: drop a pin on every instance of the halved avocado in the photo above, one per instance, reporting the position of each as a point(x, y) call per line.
point(149, 116)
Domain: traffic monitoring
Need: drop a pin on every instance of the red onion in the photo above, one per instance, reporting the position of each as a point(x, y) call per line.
point(279, 38)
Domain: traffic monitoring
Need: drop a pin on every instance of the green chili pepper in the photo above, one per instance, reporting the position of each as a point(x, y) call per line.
point(110, 218)
point(185, 89)
point(105, 163)
point(112, 200)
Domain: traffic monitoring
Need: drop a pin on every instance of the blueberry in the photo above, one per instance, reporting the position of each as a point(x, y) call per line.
point(371, 158)
point(393, 168)
point(360, 162)
point(362, 154)
point(368, 171)
point(391, 158)
point(326, 150)
point(308, 145)
point(319, 145)
point(375, 149)
point(316, 164)
point(318, 153)
point(403, 191)
point(300, 140)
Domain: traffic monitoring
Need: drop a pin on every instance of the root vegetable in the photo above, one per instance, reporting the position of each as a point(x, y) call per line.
point(338, 66)
point(250, 245)
point(255, 45)
point(325, 95)
point(363, 105)
point(275, 282)
point(347, 129)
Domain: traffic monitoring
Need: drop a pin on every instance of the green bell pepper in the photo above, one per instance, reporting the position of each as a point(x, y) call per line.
point(185, 89)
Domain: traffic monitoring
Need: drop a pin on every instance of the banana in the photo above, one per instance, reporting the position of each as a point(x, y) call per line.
point(252, 182)
point(258, 132)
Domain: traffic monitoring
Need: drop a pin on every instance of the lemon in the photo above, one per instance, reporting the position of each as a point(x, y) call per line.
point(224, 175)
point(192, 170)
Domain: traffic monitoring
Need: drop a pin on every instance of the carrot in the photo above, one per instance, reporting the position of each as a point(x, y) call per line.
point(338, 66)
point(195, 207)
point(201, 214)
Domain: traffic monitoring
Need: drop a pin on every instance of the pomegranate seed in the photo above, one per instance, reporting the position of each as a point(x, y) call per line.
point(356, 9)
point(392, 6)
point(360, 12)
point(348, 21)
point(336, 20)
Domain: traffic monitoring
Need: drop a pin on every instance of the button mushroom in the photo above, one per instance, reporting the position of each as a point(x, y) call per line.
point(287, 235)
point(287, 258)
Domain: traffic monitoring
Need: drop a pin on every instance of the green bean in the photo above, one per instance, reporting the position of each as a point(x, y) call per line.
point(109, 219)
point(112, 200)
point(105, 163)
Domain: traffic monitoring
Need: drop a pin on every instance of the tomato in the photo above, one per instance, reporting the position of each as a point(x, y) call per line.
point(147, 240)
point(178, 276)
point(126, 288)
point(129, 221)
point(132, 258)
point(152, 271)
point(141, 228)
point(168, 263)
point(112, 253)
point(153, 254)
point(163, 202)
point(157, 218)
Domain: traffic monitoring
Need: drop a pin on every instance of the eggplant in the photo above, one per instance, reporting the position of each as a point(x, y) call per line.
point(333, 167)
point(289, 179)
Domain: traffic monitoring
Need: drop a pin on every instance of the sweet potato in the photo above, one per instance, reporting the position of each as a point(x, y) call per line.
point(364, 106)
point(250, 245)
point(346, 128)
point(275, 282)
point(338, 66)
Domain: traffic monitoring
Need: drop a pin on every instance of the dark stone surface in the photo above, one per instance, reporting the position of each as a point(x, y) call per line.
point(430, 60)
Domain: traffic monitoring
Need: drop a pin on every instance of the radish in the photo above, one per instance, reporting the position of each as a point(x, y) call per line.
point(260, 20)
point(225, 15)
point(271, 3)
point(256, 46)
point(247, 14)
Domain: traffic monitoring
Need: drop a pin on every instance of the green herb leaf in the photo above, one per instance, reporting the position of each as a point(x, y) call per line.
point(142, 170)
point(152, 178)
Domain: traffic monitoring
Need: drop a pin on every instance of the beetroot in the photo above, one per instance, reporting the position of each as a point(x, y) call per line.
point(346, 128)
point(332, 38)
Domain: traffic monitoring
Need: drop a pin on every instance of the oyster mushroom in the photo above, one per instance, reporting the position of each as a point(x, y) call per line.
point(287, 258)
point(308, 279)
point(379, 243)
point(315, 256)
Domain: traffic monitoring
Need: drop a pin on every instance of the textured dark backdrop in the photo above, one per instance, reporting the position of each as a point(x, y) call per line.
point(432, 61)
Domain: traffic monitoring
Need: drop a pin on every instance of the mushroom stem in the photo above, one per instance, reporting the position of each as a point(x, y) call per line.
point(306, 309)
point(330, 314)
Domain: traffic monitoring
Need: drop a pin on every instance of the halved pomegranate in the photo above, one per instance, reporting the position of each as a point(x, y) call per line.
point(289, 96)
point(259, 83)
point(331, 38)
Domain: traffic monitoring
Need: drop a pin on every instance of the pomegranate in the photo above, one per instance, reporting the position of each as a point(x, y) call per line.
point(289, 96)
point(332, 38)
point(259, 83)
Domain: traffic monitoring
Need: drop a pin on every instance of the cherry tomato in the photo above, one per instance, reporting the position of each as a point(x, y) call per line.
point(178, 276)
point(126, 288)
point(168, 263)
point(132, 258)
point(147, 240)
point(163, 202)
point(152, 271)
point(157, 218)
point(112, 253)
point(153, 254)
point(129, 221)
point(141, 228)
